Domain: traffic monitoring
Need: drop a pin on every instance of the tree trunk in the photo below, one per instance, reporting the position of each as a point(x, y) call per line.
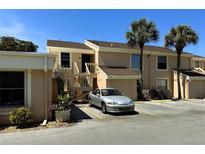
point(141, 78)
point(178, 75)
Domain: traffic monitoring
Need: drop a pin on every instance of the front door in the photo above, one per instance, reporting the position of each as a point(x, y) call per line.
point(85, 59)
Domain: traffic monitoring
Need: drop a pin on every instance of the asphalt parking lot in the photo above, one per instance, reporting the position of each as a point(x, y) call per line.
point(157, 109)
point(155, 122)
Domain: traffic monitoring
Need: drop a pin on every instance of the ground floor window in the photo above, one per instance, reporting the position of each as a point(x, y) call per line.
point(162, 84)
point(11, 88)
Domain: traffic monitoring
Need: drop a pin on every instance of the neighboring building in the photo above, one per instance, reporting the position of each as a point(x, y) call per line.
point(112, 64)
point(25, 80)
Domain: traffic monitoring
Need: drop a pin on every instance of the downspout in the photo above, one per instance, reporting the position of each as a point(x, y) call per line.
point(45, 92)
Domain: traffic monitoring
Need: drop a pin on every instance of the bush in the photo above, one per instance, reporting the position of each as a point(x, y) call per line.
point(156, 94)
point(21, 116)
point(63, 104)
point(165, 94)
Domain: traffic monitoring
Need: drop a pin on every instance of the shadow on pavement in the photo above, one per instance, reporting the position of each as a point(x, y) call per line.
point(78, 115)
point(125, 113)
point(120, 114)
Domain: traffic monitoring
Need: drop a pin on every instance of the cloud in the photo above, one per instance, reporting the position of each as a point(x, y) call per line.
point(13, 29)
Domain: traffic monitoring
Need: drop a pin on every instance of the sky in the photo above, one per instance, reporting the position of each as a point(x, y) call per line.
point(107, 25)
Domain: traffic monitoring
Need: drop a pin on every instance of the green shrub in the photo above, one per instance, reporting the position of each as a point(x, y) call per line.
point(21, 116)
point(63, 103)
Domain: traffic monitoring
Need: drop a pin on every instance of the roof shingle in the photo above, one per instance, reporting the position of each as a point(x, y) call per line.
point(66, 44)
point(125, 46)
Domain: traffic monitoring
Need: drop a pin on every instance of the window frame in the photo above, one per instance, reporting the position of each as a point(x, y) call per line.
point(166, 63)
point(24, 88)
point(167, 79)
point(131, 61)
point(70, 59)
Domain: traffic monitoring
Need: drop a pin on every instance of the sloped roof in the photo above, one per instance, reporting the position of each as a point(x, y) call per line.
point(125, 46)
point(66, 44)
point(118, 70)
point(190, 72)
point(198, 56)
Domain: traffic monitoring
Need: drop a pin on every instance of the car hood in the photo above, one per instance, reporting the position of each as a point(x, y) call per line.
point(118, 99)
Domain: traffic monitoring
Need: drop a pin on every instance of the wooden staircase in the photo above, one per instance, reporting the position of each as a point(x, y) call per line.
point(80, 84)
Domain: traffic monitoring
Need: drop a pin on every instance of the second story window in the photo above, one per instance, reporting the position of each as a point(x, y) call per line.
point(197, 64)
point(135, 61)
point(161, 62)
point(65, 60)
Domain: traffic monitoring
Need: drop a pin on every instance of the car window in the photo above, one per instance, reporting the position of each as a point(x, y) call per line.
point(110, 92)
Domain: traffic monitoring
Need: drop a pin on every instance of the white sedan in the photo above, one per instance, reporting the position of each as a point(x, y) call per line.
point(110, 100)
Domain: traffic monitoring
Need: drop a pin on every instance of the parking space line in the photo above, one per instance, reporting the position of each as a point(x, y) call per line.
point(165, 105)
point(148, 113)
point(93, 113)
point(194, 104)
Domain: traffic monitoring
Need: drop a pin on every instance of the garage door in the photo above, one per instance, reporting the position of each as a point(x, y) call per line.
point(128, 87)
point(197, 89)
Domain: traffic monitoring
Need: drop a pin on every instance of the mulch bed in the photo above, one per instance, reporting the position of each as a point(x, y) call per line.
point(35, 126)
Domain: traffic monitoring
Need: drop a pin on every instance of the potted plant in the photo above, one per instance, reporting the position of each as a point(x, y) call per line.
point(62, 108)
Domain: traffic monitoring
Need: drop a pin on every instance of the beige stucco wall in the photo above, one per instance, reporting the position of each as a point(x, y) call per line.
point(150, 71)
point(40, 103)
point(197, 89)
point(126, 86)
point(114, 59)
point(101, 79)
point(184, 85)
point(75, 54)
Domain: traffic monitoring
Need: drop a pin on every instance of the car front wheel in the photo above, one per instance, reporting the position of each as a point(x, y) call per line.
point(103, 107)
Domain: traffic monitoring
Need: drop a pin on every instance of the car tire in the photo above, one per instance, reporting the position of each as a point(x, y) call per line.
point(103, 108)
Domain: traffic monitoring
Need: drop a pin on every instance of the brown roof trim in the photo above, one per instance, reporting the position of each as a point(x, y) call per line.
point(66, 44)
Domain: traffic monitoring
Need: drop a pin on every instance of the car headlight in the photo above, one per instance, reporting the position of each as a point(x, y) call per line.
point(131, 102)
point(112, 103)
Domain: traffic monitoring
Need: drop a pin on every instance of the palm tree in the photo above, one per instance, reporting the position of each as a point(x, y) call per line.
point(179, 37)
point(142, 32)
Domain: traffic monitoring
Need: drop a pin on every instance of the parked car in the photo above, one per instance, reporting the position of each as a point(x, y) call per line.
point(110, 100)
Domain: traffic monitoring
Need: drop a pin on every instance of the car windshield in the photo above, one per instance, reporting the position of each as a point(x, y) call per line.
point(110, 92)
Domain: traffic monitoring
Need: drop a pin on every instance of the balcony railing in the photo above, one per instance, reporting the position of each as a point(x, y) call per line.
point(91, 68)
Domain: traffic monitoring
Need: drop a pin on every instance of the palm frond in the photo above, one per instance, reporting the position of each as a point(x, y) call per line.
point(142, 31)
point(180, 36)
